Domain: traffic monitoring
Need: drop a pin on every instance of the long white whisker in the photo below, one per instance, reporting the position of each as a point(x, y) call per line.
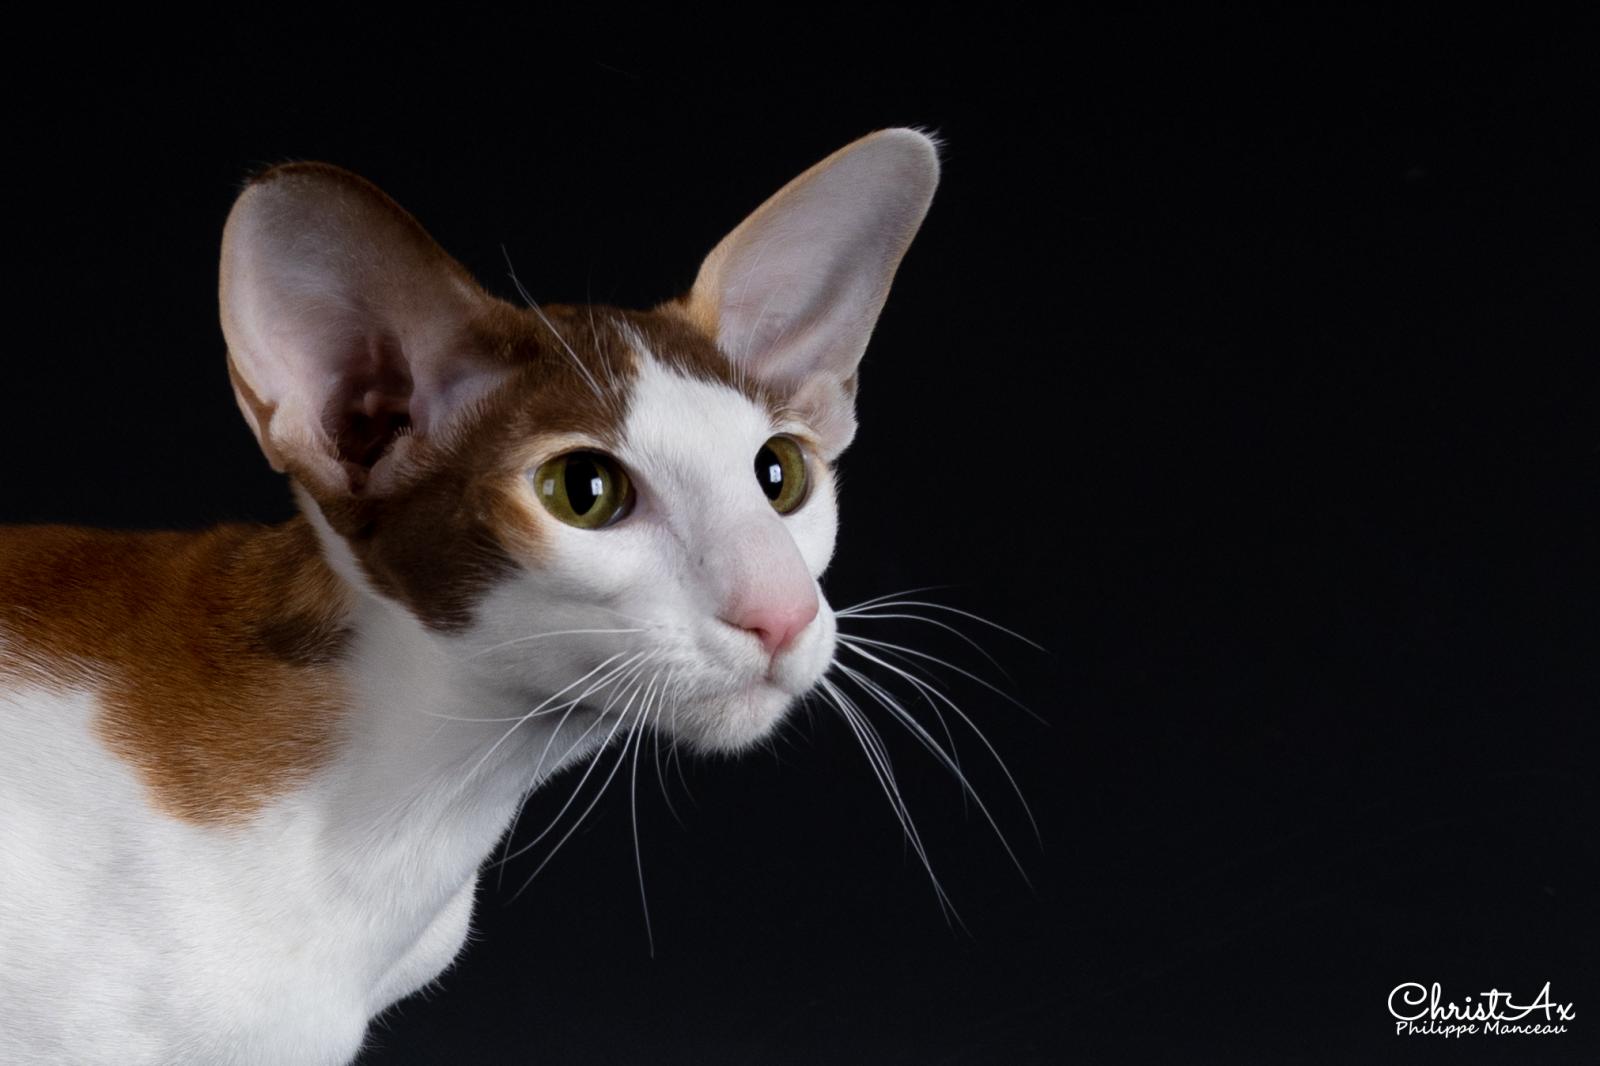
point(655, 750)
point(907, 616)
point(878, 760)
point(577, 362)
point(675, 757)
point(541, 709)
point(885, 604)
point(860, 641)
point(938, 714)
point(621, 758)
point(633, 802)
point(951, 704)
point(854, 607)
point(594, 335)
point(577, 790)
point(516, 820)
point(886, 700)
point(621, 684)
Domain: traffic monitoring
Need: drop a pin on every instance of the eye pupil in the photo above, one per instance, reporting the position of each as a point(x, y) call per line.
point(585, 485)
point(769, 471)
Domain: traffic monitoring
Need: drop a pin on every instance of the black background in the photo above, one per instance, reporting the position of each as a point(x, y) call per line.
point(1248, 366)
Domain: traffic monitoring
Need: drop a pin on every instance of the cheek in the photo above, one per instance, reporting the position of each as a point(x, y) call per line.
point(608, 567)
point(580, 608)
point(563, 562)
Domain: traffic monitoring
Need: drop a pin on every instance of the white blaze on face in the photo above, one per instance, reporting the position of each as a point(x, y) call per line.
point(730, 568)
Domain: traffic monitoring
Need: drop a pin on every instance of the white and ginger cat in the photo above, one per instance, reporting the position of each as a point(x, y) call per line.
point(248, 775)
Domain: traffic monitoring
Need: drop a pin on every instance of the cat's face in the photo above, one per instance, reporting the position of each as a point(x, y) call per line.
point(627, 509)
point(687, 564)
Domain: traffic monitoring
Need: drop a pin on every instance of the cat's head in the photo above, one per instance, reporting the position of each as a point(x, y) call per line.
point(578, 495)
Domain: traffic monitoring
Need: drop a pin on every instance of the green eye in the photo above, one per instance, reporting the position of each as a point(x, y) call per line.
point(584, 489)
point(781, 472)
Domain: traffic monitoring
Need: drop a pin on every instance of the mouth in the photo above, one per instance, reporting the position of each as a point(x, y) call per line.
point(737, 719)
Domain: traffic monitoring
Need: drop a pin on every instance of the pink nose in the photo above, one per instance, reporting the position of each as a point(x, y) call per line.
point(775, 623)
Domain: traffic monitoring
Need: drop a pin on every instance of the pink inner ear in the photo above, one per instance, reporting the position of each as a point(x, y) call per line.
point(371, 404)
point(348, 327)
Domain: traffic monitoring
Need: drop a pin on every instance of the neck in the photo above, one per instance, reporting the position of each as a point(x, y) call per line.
point(435, 758)
point(434, 761)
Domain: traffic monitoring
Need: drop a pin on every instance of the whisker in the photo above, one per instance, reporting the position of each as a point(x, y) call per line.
point(540, 710)
point(532, 303)
point(621, 684)
point(633, 802)
point(655, 754)
point(594, 336)
point(984, 740)
point(675, 758)
point(577, 790)
point(907, 616)
point(938, 714)
point(886, 700)
point(889, 596)
point(884, 604)
point(849, 639)
point(878, 760)
point(604, 785)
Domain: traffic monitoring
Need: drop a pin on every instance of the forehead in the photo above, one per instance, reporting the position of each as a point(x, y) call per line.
point(671, 354)
point(587, 370)
point(678, 421)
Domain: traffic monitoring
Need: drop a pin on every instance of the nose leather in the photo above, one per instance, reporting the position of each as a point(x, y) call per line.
point(776, 622)
point(765, 587)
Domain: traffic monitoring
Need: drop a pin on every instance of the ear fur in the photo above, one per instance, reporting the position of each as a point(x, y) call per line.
point(349, 330)
point(791, 295)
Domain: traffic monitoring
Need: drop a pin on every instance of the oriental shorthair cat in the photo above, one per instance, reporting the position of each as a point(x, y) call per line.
point(248, 775)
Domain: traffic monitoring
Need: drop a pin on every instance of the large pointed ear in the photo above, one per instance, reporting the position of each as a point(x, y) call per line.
point(792, 294)
point(353, 339)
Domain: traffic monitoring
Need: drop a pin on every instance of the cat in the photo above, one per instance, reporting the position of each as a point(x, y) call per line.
point(248, 775)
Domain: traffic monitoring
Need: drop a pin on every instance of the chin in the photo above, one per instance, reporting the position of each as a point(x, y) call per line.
point(733, 723)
